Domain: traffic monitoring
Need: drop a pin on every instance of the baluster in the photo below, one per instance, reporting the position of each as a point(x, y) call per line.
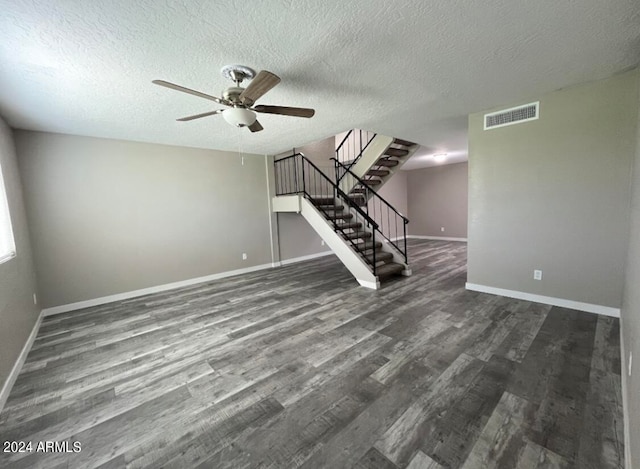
point(304, 186)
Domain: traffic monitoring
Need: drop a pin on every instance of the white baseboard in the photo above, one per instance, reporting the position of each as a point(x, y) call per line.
point(171, 286)
point(17, 366)
point(304, 258)
point(146, 291)
point(547, 300)
point(437, 238)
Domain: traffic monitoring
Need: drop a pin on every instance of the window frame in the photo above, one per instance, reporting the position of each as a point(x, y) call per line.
point(5, 213)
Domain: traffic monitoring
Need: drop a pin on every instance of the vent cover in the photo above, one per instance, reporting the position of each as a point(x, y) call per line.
point(514, 115)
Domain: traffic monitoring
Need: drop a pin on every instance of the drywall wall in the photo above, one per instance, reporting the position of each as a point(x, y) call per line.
point(113, 216)
point(437, 198)
point(553, 194)
point(297, 238)
point(394, 191)
point(295, 235)
point(630, 320)
point(18, 313)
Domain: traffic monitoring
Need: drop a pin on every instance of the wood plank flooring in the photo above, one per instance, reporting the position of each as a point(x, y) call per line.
point(300, 367)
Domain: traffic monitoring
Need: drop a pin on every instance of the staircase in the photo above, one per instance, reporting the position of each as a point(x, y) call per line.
point(360, 236)
point(369, 157)
point(365, 231)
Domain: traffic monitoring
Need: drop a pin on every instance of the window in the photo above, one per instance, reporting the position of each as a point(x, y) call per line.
point(7, 244)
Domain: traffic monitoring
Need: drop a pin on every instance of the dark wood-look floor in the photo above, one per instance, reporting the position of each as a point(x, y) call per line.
point(299, 367)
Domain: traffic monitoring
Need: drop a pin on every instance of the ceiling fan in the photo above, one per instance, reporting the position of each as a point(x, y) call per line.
point(241, 111)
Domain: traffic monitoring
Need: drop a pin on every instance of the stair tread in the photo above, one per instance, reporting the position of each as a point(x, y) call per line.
point(332, 208)
point(373, 182)
point(367, 245)
point(323, 201)
point(378, 172)
point(381, 256)
point(389, 269)
point(347, 226)
point(350, 225)
point(387, 162)
point(405, 143)
point(396, 152)
point(357, 235)
point(339, 216)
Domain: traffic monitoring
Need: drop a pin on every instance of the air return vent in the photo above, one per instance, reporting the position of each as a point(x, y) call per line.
point(514, 115)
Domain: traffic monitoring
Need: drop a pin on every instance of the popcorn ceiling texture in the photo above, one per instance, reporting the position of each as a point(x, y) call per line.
point(411, 69)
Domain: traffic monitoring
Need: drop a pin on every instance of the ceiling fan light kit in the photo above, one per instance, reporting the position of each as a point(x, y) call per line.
point(239, 116)
point(240, 100)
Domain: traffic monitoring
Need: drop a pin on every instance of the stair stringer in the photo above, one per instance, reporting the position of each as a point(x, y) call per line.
point(342, 249)
point(371, 154)
point(376, 150)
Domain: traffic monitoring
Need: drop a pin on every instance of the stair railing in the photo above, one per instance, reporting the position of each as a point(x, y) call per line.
point(353, 145)
point(296, 174)
point(392, 224)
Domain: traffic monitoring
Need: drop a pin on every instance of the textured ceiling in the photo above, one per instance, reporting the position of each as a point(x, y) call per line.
point(411, 69)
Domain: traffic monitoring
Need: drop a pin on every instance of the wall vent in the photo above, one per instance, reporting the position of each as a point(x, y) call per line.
point(514, 115)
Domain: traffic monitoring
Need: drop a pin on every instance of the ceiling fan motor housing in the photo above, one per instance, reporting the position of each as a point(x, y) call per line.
point(233, 94)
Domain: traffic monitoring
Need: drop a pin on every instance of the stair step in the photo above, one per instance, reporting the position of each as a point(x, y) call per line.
point(357, 235)
point(377, 172)
point(396, 152)
point(350, 225)
point(381, 256)
point(367, 245)
point(387, 162)
point(373, 182)
point(405, 143)
point(331, 208)
point(323, 201)
point(339, 216)
point(388, 270)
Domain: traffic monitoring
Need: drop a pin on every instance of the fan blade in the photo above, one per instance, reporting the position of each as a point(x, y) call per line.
point(255, 127)
point(285, 111)
point(198, 116)
point(262, 83)
point(173, 86)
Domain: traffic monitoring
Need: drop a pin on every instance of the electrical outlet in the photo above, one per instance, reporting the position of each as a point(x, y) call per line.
point(442, 228)
point(244, 256)
point(322, 243)
point(537, 274)
point(35, 299)
point(630, 362)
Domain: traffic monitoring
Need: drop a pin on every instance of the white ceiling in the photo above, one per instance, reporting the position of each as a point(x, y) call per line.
point(411, 69)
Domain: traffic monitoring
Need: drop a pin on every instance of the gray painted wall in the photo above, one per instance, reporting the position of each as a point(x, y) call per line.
point(394, 191)
point(295, 235)
point(631, 317)
point(112, 216)
point(18, 314)
point(553, 194)
point(437, 197)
